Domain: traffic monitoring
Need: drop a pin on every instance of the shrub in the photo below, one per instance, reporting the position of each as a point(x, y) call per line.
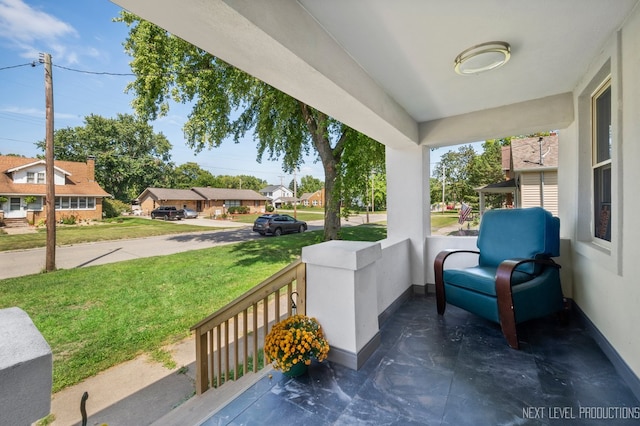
point(113, 208)
point(68, 220)
point(269, 208)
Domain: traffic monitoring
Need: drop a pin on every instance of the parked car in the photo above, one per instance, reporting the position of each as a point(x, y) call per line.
point(189, 214)
point(278, 224)
point(166, 213)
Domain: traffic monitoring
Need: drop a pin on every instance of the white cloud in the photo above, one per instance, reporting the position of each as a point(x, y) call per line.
point(30, 30)
point(38, 112)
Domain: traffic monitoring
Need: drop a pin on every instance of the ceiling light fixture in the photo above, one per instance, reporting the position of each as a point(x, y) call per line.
point(482, 57)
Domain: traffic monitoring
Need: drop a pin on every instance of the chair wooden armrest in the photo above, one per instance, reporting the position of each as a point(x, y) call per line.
point(505, 297)
point(438, 268)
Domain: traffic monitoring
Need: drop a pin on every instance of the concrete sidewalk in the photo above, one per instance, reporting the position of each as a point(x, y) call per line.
point(136, 392)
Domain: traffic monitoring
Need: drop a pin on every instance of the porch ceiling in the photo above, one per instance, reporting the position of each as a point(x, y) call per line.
point(386, 68)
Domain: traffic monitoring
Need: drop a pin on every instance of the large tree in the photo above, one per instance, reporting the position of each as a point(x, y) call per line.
point(129, 156)
point(457, 169)
point(168, 68)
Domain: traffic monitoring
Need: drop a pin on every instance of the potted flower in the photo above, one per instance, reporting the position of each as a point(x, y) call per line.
point(293, 343)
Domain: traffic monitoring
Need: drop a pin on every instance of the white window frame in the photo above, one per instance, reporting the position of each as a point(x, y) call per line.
point(602, 208)
point(608, 255)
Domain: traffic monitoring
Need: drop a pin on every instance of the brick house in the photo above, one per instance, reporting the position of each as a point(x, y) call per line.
point(23, 189)
point(313, 199)
point(205, 200)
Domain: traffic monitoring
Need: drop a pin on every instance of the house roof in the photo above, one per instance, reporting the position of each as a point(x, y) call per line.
point(504, 186)
point(35, 163)
point(228, 194)
point(272, 188)
point(79, 178)
point(306, 196)
point(163, 194)
point(535, 153)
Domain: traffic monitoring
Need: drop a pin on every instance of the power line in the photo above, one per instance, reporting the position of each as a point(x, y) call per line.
point(94, 72)
point(30, 64)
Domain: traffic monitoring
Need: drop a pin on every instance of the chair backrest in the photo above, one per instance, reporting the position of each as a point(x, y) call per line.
point(518, 233)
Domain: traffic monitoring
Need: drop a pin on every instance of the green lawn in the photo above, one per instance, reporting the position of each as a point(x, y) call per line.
point(96, 317)
point(116, 229)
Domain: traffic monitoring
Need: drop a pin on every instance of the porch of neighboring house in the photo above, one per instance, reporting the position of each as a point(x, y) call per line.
point(456, 369)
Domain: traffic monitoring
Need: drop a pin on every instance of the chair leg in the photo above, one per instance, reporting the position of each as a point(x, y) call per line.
point(506, 311)
point(508, 325)
point(441, 301)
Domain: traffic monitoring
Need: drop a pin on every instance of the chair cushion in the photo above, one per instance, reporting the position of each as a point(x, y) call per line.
point(518, 233)
point(481, 279)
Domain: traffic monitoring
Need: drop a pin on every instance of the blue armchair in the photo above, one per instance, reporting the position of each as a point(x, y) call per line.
point(516, 278)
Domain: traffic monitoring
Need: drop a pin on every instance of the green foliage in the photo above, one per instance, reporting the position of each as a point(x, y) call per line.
point(269, 208)
point(168, 68)
point(3, 199)
point(113, 208)
point(238, 210)
point(69, 219)
point(129, 156)
point(30, 199)
point(366, 168)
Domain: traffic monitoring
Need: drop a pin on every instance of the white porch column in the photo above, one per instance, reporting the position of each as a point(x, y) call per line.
point(26, 370)
point(408, 203)
point(342, 294)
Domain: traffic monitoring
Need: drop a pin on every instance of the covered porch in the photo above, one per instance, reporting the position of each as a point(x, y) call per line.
point(387, 70)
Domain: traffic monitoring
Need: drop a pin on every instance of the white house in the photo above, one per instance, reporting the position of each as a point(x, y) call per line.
point(278, 194)
point(405, 74)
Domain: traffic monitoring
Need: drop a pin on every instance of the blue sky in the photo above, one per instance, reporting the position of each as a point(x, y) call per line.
point(81, 35)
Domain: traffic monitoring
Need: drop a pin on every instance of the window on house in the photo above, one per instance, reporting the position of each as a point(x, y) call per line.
point(31, 177)
point(601, 163)
point(41, 177)
point(75, 203)
point(232, 203)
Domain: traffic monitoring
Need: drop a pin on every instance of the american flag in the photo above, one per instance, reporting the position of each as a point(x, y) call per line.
point(465, 211)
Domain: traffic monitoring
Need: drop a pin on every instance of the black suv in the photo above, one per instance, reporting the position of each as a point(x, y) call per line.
point(167, 213)
point(278, 224)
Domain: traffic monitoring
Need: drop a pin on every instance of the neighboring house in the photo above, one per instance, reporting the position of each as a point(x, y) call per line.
point(278, 195)
point(180, 198)
point(313, 199)
point(534, 166)
point(205, 200)
point(23, 184)
point(531, 171)
point(218, 200)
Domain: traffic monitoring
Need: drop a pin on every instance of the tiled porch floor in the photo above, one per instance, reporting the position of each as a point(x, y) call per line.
point(453, 370)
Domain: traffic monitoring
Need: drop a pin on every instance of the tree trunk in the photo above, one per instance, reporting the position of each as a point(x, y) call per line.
point(317, 125)
point(332, 204)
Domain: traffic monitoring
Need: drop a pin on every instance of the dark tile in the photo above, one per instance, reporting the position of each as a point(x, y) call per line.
point(455, 369)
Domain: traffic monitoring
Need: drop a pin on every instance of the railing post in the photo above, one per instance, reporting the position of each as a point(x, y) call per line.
point(301, 288)
point(202, 373)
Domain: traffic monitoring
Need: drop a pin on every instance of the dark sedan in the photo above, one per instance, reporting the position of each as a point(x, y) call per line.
point(278, 224)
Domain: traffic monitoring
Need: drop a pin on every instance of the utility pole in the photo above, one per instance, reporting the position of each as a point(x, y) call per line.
point(295, 195)
point(443, 180)
point(373, 205)
point(50, 199)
